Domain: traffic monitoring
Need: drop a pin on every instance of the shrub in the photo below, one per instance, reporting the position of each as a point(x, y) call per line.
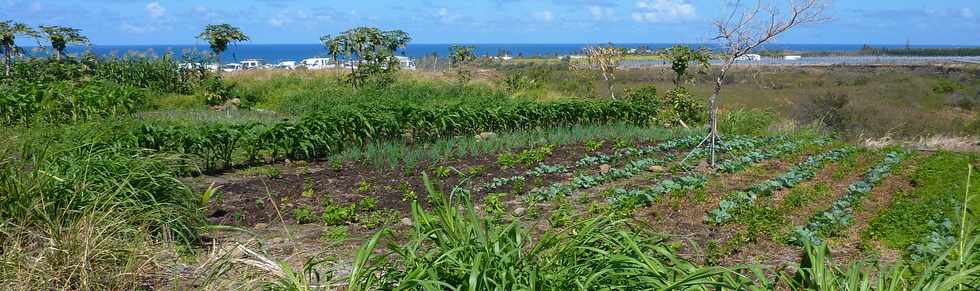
point(742, 121)
point(829, 109)
point(946, 86)
point(646, 94)
point(520, 82)
point(680, 102)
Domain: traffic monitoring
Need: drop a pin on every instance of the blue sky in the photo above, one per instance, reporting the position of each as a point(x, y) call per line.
point(118, 22)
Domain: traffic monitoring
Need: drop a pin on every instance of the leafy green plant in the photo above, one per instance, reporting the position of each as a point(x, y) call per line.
point(442, 171)
point(594, 145)
point(408, 193)
point(303, 215)
point(369, 203)
point(337, 214)
point(363, 186)
point(273, 173)
point(493, 205)
point(527, 158)
point(379, 218)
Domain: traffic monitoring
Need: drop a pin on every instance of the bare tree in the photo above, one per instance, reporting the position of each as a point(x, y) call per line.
point(749, 27)
point(605, 60)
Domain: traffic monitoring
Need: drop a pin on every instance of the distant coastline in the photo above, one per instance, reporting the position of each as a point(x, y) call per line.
point(295, 52)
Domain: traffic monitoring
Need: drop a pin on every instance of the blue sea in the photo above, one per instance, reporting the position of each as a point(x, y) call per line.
point(273, 53)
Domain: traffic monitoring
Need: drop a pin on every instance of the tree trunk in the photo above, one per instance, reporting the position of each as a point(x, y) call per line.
point(217, 60)
point(713, 115)
point(6, 64)
point(609, 85)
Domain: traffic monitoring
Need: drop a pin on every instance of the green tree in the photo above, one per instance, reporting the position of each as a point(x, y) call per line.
point(462, 59)
point(219, 36)
point(368, 52)
point(9, 31)
point(681, 57)
point(60, 37)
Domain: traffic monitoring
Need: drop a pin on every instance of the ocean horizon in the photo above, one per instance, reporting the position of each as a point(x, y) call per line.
point(274, 53)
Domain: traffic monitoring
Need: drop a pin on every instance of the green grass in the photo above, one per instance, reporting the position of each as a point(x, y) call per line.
point(938, 182)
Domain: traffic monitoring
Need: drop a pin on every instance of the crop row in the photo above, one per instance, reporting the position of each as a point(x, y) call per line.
point(323, 133)
point(629, 170)
point(629, 199)
point(592, 160)
point(803, 171)
point(841, 213)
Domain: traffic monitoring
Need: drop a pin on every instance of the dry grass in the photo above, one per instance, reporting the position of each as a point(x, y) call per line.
point(932, 143)
point(97, 252)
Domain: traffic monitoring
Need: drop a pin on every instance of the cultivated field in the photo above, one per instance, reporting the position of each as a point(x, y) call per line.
point(135, 174)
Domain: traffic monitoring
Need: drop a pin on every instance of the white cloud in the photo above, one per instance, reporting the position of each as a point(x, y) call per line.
point(966, 13)
point(661, 11)
point(446, 17)
point(601, 13)
point(278, 21)
point(137, 29)
point(544, 16)
point(155, 10)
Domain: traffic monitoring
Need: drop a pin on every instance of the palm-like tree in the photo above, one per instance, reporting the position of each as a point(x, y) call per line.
point(219, 36)
point(9, 31)
point(60, 37)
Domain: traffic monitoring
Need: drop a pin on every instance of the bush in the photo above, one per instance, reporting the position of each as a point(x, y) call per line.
point(686, 107)
point(829, 109)
point(520, 82)
point(946, 86)
point(742, 121)
point(647, 93)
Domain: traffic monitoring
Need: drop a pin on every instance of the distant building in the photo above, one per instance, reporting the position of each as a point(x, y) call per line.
point(793, 58)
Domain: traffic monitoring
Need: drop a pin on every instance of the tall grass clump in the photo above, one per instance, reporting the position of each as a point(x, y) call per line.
point(89, 215)
point(743, 121)
point(453, 247)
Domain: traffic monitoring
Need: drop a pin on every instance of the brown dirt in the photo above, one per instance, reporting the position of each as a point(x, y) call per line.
point(240, 202)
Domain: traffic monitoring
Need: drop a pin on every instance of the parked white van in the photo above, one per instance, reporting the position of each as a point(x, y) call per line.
point(317, 63)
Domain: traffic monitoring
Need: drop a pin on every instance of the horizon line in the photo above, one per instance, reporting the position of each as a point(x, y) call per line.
point(543, 43)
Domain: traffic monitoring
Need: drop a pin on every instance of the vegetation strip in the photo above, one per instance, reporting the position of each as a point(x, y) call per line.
point(631, 169)
point(629, 199)
point(841, 213)
point(803, 171)
point(592, 160)
point(320, 134)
